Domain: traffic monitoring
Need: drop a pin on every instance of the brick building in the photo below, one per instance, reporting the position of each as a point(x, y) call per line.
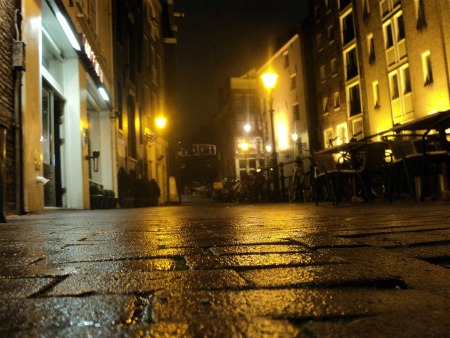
point(8, 78)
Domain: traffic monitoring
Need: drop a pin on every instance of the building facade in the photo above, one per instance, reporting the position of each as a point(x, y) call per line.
point(378, 63)
point(240, 140)
point(9, 86)
point(66, 100)
point(144, 34)
point(293, 119)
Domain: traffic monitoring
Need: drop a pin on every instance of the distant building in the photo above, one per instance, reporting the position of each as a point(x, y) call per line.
point(240, 143)
point(293, 111)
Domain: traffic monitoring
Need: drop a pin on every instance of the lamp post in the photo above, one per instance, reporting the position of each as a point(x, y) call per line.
point(270, 80)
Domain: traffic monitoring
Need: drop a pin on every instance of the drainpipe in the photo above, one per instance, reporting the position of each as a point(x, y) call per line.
point(17, 124)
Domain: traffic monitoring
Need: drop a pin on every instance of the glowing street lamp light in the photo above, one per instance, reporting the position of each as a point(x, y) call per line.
point(270, 81)
point(161, 122)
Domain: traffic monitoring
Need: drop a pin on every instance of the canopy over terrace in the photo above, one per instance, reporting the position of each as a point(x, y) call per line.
point(423, 123)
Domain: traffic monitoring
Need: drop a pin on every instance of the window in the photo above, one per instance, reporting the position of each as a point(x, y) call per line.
point(333, 67)
point(357, 128)
point(371, 48)
point(351, 63)
point(366, 8)
point(388, 6)
point(406, 80)
point(354, 100)
point(325, 105)
point(347, 28)
point(330, 34)
point(401, 93)
point(376, 94)
point(327, 137)
point(286, 60)
point(322, 73)
point(400, 28)
point(344, 3)
point(337, 101)
point(427, 69)
point(319, 42)
point(388, 36)
point(293, 82)
point(295, 112)
point(342, 134)
point(393, 83)
point(420, 14)
point(395, 39)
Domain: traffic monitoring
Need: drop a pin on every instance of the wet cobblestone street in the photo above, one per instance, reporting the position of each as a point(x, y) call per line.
point(228, 270)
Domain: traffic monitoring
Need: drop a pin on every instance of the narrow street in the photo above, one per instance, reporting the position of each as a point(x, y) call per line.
point(228, 270)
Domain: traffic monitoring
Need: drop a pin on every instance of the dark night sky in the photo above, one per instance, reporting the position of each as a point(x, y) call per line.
point(218, 39)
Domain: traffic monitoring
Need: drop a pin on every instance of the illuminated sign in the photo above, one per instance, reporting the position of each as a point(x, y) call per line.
point(92, 57)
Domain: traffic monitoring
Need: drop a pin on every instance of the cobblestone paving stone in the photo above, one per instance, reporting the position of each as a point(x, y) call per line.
point(228, 270)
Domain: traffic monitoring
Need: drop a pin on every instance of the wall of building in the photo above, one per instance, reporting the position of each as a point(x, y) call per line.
point(7, 34)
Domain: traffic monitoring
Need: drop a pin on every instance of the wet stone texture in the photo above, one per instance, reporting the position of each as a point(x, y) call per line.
point(228, 270)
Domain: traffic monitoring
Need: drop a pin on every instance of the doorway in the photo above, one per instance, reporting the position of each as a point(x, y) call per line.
point(51, 141)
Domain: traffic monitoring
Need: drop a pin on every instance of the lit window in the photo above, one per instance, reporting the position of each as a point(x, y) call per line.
point(427, 69)
point(328, 137)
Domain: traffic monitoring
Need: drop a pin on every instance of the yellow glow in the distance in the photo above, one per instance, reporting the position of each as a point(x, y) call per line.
point(269, 80)
point(161, 122)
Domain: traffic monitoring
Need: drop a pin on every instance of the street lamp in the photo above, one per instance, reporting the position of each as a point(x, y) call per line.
point(270, 81)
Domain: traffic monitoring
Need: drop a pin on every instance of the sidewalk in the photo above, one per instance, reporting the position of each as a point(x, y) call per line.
point(228, 270)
